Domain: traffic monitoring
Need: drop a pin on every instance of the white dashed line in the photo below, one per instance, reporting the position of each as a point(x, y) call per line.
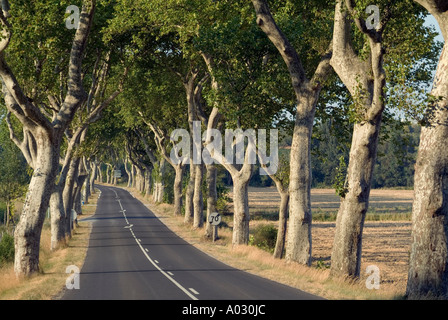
point(155, 262)
point(194, 291)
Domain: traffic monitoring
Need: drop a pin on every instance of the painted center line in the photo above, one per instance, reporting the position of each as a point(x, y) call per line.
point(155, 262)
point(194, 291)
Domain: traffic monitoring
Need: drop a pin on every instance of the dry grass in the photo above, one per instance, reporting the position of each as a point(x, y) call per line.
point(50, 281)
point(385, 245)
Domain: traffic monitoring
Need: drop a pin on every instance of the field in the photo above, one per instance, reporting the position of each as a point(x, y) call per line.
point(387, 231)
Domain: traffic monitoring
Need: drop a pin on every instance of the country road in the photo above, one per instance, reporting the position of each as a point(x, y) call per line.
point(132, 255)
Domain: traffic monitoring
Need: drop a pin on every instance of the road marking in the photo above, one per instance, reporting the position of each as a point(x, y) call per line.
point(155, 262)
point(121, 206)
point(146, 250)
point(163, 272)
point(194, 291)
point(170, 273)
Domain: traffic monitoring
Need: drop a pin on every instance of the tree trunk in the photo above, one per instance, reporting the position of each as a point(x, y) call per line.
point(299, 245)
point(428, 266)
point(128, 173)
point(148, 181)
point(7, 214)
point(198, 203)
point(134, 175)
point(347, 246)
point(77, 201)
point(189, 211)
point(177, 188)
point(68, 194)
point(241, 210)
point(28, 231)
point(58, 217)
point(100, 174)
point(109, 174)
point(212, 198)
point(93, 177)
point(282, 223)
point(161, 183)
point(86, 190)
point(140, 179)
point(114, 178)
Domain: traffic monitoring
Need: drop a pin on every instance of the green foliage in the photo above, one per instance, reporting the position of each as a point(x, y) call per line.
point(340, 184)
point(13, 169)
point(264, 237)
point(6, 249)
point(222, 191)
point(320, 264)
point(394, 167)
point(396, 158)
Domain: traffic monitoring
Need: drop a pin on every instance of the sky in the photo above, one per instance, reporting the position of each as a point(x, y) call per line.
point(430, 20)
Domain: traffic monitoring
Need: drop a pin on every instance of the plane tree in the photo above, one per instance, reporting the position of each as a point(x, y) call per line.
point(306, 54)
point(428, 274)
point(368, 51)
point(26, 47)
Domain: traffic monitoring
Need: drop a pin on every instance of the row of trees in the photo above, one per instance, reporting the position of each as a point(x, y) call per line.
point(150, 67)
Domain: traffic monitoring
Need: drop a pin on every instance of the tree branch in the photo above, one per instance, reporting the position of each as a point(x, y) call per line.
point(349, 67)
point(267, 23)
point(76, 94)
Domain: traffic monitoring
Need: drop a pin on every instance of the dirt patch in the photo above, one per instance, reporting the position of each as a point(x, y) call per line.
point(385, 245)
point(324, 199)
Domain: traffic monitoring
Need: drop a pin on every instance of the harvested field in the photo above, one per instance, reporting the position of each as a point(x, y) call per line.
point(386, 242)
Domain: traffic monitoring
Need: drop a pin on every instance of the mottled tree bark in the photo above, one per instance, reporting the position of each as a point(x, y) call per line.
point(177, 187)
point(283, 213)
point(299, 244)
point(241, 216)
point(189, 211)
point(428, 265)
point(198, 203)
point(28, 231)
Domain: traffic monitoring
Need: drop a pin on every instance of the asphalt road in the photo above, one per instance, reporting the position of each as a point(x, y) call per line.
point(132, 255)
